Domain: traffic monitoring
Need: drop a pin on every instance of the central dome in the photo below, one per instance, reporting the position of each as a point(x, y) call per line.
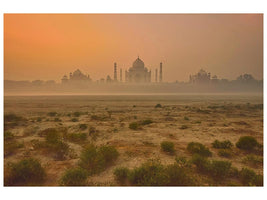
point(138, 63)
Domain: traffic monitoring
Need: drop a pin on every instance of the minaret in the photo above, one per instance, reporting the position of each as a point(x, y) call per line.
point(115, 71)
point(120, 75)
point(156, 75)
point(160, 72)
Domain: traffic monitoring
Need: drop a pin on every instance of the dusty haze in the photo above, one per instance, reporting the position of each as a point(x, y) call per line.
point(47, 46)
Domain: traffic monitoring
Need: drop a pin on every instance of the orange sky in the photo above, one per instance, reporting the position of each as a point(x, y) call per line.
point(47, 46)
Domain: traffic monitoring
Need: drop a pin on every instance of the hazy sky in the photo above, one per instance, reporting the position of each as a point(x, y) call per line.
point(47, 46)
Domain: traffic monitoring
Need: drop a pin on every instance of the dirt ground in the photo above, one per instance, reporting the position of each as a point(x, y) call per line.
point(204, 117)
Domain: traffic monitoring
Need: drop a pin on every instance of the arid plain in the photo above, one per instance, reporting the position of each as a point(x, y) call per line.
point(136, 126)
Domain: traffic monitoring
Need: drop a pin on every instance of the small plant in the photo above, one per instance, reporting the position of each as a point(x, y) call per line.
point(186, 118)
point(10, 147)
point(74, 177)
point(227, 144)
point(181, 161)
point(253, 161)
point(121, 174)
point(13, 118)
point(247, 143)
point(39, 119)
point(134, 126)
point(219, 169)
point(77, 137)
point(93, 133)
point(201, 163)
point(167, 147)
point(74, 120)
point(52, 114)
point(83, 126)
point(227, 153)
point(249, 177)
point(76, 114)
point(25, 172)
point(146, 122)
point(198, 148)
point(57, 119)
point(183, 127)
point(158, 106)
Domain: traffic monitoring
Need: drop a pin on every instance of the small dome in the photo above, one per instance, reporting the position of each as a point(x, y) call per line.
point(77, 73)
point(138, 63)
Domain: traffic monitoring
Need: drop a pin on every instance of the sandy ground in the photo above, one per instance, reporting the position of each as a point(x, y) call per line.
point(221, 117)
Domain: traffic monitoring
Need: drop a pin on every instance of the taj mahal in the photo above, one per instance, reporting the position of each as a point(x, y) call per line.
point(138, 73)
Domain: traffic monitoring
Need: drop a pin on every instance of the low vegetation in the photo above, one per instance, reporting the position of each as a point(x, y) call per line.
point(227, 153)
point(83, 126)
point(167, 146)
point(158, 106)
point(74, 177)
point(249, 177)
point(52, 114)
point(253, 161)
point(134, 126)
point(25, 172)
point(121, 174)
point(198, 148)
point(227, 144)
point(247, 143)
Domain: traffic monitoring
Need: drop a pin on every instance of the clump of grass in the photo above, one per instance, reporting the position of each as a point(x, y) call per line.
point(186, 118)
point(74, 177)
point(76, 114)
point(198, 148)
point(134, 126)
point(74, 120)
point(249, 177)
point(167, 146)
point(158, 106)
point(184, 127)
point(253, 161)
point(121, 174)
point(25, 172)
point(83, 126)
point(57, 119)
point(93, 133)
point(227, 153)
point(77, 137)
point(52, 114)
point(247, 143)
point(96, 159)
point(227, 144)
point(146, 122)
point(99, 117)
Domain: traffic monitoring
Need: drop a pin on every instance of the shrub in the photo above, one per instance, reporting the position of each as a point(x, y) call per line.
point(186, 118)
point(121, 174)
point(151, 173)
point(227, 144)
point(167, 147)
point(93, 133)
point(134, 126)
point(52, 114)
point(201, 163)
point(158, 106)
point(227, 153)
point(76, 114)
point(247, 143)
point(83, 126)
point(58, 149)
point(146, 122)
point(96, 159)
point(249, 177)
point(74, 177)
point(10, 147)
point(220, 169)
point(184, 127)
point(181, 161)
point(13, 118)
point(44, 132)
point(57, 119)
point(77, 137)
point(253, 161)
point(198, 148)
point(25, 172)
point(74, 120)
point(39, 119)
point(52, 137)
point(8, 135)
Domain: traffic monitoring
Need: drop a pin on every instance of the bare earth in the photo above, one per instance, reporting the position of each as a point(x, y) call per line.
point(210, 117)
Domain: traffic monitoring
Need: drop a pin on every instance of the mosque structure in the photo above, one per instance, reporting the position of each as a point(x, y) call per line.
point(76, 77)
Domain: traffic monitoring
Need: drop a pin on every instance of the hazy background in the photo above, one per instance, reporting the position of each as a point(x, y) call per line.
point(47, 46)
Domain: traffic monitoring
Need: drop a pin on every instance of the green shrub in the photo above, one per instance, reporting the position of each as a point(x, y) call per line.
point(95, 159)
point(146, 122)
point(25, 172)
point(74, 120)
point(52, 137)
point(158, 106)
point(202, 163)
point(249, 177)
point(8, 135)
point(74, 177)
point(13, 118)
point(151, 173)
point(227, 153)
point(247, 143)
point(134, 126)
point(77, 137)
point(167, 147)
point(227, 144)
point(253, 161)
point(198, 148)
point(52, 114)
point(82, 126)
point(219, 170)
point(121, 174)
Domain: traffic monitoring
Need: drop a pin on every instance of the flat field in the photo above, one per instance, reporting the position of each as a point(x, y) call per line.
point(135, 127)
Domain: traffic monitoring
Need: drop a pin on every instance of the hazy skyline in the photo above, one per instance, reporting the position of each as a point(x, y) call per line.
point(47, 46)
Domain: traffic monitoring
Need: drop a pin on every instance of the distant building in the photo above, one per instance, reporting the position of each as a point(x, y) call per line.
point(76, 77)
point(202, 77)
point(138, 73)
